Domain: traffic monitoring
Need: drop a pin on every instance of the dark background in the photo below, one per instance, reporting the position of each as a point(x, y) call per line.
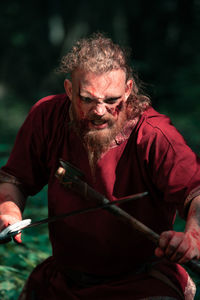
point(34, 35)
point(163, 36)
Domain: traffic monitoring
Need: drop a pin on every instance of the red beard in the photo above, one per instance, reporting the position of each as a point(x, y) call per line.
point(98, 140)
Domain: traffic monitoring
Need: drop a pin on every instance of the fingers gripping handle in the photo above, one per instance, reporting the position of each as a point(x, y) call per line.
point(14, 229)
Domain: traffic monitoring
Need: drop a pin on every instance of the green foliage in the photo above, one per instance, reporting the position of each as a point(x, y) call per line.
point(11, 118)
point(17, 261)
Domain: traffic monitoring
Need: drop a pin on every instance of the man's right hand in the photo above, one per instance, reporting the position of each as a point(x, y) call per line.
point(12, 202)
point(5, 221)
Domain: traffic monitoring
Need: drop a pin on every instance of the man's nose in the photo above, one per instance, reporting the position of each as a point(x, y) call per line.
point(99, 109)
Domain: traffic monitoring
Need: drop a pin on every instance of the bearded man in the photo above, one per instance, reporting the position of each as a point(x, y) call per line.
point(106, 126)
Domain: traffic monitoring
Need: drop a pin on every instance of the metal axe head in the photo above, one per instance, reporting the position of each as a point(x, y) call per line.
point(67, 173)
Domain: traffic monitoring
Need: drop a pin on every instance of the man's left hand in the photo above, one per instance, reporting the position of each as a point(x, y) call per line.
point(179, 247)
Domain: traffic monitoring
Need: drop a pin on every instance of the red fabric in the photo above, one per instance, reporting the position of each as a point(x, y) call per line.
point(47, 283)
point(154, 158)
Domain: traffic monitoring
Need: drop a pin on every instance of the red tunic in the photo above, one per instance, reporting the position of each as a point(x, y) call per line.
point(152, 156)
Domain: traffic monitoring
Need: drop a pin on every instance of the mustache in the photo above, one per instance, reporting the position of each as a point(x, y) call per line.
point(98, 118)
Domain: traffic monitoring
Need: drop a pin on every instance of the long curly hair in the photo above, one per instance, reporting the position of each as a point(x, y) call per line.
point(99, 54)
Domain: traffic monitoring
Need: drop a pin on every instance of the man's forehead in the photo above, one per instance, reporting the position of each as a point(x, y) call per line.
point(85, 80)
point(101, 91)
point(86, 76)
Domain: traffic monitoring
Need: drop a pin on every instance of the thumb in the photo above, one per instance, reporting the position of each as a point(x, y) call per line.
point(159, 252)
point(17, 238)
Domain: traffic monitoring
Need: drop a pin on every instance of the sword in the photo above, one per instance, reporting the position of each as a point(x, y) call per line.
point(17, 227)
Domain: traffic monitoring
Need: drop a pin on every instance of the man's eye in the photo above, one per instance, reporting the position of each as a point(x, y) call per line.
point(111, 100)
point(86, 99)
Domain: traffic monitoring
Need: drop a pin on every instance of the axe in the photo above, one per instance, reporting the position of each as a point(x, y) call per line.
point(71, 177)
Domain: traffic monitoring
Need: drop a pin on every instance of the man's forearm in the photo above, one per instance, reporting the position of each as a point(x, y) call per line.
point(193, 218)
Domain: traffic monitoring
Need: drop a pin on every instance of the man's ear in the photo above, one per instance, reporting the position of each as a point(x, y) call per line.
point(68, 88)
point(129, 87)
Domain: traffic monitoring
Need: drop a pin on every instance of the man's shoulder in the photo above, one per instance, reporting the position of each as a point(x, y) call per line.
point(155, 125)
point(53, 107)
point(51, 101)
point(49, 110)
point(155, 119)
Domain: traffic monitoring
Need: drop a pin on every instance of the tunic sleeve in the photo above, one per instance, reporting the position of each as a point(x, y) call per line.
point(170, 165)
point(27, 160)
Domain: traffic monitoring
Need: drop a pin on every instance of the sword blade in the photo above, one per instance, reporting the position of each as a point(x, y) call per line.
point(86, 210)
point(17, 227)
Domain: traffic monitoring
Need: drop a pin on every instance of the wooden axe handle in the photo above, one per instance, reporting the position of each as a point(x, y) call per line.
point(84, 190)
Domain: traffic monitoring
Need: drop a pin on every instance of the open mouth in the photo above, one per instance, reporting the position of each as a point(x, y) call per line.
point(99, 124)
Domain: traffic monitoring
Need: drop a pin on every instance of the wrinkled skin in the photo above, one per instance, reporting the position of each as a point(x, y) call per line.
point(98, 99)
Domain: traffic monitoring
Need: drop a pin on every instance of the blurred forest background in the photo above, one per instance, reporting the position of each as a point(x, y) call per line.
point(34, 35)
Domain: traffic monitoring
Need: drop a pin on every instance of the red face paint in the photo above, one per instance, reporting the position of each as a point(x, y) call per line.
point(115, 110)
point(119, 107)
point(195, 234)
point(193, 241)
point(90, 104)
point(92, 92)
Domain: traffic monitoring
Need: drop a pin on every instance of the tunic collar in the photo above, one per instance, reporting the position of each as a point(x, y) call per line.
point(125, 132)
